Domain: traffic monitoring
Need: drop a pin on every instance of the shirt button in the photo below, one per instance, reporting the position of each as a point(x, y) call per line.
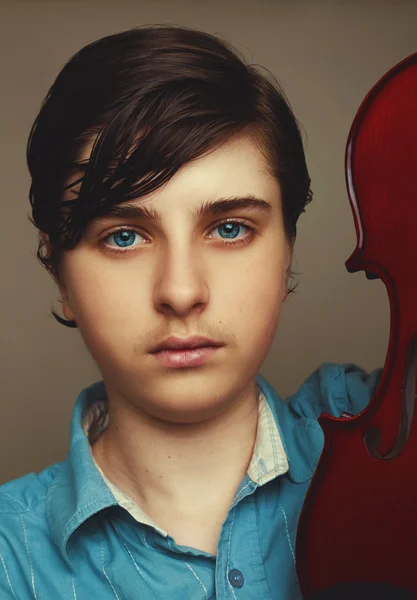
point(236, 578)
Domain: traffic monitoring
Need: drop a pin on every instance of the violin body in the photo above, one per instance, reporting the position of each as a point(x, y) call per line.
point(359, 518)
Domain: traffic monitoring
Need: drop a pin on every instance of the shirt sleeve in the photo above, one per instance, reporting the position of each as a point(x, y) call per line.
point(335, 388)
point(360, 387)
point(7, 591)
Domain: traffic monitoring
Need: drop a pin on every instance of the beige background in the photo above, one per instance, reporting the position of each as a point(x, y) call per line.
point(327, 56)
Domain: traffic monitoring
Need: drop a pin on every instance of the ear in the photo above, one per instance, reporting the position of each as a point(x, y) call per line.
point(66, 308)
point(45, 238)
point(285, 289)
point(287, 271)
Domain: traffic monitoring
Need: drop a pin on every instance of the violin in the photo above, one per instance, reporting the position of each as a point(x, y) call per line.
point(358, 525)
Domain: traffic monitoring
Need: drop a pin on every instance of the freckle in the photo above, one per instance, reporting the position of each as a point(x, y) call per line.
point(147, 470)
point(169, 457)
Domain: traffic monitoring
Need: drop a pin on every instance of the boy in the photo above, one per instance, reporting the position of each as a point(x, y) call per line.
point(186, 471)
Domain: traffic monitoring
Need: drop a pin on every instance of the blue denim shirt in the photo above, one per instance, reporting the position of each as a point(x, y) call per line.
point(65, 536)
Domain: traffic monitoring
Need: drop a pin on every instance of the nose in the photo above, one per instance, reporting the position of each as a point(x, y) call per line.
point(182, 286)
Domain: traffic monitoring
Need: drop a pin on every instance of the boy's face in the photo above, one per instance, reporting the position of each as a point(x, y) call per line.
point(181, 277)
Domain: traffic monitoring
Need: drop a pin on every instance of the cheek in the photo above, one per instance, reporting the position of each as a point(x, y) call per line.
point(257, 301)
point(107, 308)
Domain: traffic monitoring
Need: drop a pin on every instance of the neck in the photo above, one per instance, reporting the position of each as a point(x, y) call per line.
point(193, 467)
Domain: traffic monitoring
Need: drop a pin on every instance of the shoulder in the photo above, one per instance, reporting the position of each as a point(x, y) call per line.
point(23, 527)
point(334, 388)
point(26, 493)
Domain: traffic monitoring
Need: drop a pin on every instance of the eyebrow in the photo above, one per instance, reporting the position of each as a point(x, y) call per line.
point(213, 207)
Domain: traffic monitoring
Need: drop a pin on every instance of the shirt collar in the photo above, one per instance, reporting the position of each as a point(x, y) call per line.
point(302, 437)
point(79, 490)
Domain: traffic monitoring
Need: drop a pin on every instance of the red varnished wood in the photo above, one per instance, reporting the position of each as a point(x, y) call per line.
point(359, 520)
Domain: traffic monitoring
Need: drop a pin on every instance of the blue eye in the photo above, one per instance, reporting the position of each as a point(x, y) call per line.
point(125, 236)
point(231, 228)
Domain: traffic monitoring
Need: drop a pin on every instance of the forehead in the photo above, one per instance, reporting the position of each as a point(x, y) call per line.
point(237, 168)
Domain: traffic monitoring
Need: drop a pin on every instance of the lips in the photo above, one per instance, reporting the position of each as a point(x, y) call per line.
point(186, 358)
point(175, 343)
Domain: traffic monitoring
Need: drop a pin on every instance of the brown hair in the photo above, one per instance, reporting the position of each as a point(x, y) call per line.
point(156, 97)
